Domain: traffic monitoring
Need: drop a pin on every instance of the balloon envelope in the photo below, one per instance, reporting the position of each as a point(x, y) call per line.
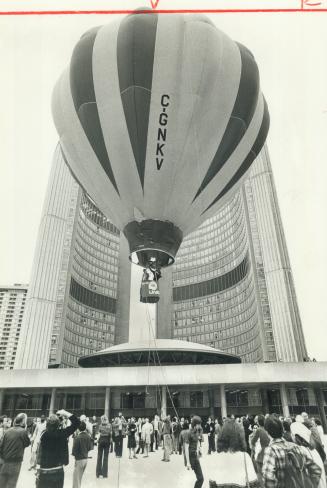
point(159, 118)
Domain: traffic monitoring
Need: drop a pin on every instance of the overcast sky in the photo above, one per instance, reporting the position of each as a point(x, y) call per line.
point(290, 50)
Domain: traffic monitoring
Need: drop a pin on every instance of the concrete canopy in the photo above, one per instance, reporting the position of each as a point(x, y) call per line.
point(158, 351)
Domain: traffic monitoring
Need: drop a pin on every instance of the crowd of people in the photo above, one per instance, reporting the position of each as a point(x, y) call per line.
point(265, 451)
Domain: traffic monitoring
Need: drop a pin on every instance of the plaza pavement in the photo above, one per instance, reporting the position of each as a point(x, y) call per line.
point(123, 472)
point(148, 472)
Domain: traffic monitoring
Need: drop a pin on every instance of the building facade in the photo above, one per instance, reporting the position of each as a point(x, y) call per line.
point(231, 286)
point(78, 300)
point(12, 306)
point(208, 389)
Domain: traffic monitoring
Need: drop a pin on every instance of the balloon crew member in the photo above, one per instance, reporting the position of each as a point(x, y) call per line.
point(53, 450)
point(192, 450)
point(149, 292)
point(151, 272)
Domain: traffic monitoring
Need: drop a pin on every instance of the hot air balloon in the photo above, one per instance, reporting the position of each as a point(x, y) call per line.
point(159, 119)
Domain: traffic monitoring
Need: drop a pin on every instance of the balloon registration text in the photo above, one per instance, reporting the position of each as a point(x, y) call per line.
point(162, 131)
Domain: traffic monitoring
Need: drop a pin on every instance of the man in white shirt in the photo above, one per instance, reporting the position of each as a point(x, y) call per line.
point(147, 431)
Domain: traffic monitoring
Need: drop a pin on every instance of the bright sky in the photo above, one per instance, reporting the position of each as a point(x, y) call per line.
point(290, 49)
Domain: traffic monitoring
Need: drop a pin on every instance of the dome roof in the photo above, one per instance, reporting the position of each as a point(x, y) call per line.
point(155, 352)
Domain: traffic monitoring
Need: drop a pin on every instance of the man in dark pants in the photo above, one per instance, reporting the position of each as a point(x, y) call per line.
point(156, 430)
point(192, 452)
point(209, 429)
point(12, 446)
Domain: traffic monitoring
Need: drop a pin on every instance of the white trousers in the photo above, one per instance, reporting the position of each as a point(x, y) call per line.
point(79, 469)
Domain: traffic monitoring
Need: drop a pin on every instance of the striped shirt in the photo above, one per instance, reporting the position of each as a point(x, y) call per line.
point(274, 463)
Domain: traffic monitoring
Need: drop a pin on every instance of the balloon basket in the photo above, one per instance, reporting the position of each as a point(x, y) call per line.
point(149, 292)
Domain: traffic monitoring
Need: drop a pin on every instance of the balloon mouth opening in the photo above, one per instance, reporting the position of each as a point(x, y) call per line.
point(143, 257)
point(153, 239)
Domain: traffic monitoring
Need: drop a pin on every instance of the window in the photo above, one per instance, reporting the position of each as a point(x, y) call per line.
point(27, 401)
point(214, 285)
point(302, 397)
point(237, 398)
point(74, 401)
point(132, 400)
point(274, 397)
point(96, 401)
point(324, 392)
point(196, 399)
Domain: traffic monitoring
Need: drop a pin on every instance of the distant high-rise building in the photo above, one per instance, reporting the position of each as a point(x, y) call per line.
point(12, 306)
point(231, 286)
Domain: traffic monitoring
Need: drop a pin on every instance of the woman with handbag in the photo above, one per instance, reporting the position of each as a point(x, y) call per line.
point(232, 466)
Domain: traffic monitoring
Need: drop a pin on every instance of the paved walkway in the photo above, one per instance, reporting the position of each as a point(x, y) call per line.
point(148, 472)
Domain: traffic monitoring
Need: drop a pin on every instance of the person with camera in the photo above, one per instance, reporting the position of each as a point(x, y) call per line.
point(53, 449)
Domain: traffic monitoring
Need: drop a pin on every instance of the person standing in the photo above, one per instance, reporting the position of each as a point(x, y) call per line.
point(232, 466)
point(156, 431)
point(123, 430)
point(104, 438)
point(147, 431)
point(12, 446)
point(94, 427)
point(182, 439)
point(81, 447)
point(192, 450)
point(274, 466)
point(180, 447)
point(166, 436)
point(31, 427)
point(86, 420)
point(320, 431)
point(209, 429)
point(302, 437)
point(287, 431)
point(53, 449)
point(259, 441)
point(175, 430)
point(140, 424)
point(4, 426)
point(218, 430)
point(119, 431)
point(35, 440)
point(315, 437)
point(247, 426)
point(117, 436)
point(131, 442)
